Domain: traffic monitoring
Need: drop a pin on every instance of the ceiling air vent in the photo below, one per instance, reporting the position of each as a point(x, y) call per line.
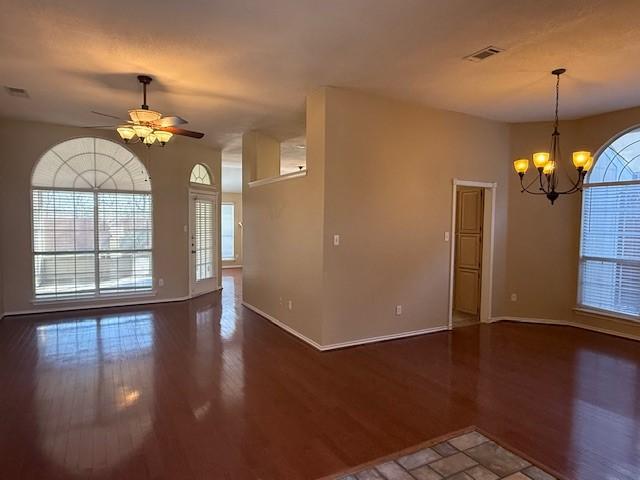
point(483, 54)
point(17, 92)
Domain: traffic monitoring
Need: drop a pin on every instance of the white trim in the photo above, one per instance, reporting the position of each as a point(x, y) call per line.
point(283, 326)
point(224, 267)
point(279, 178)
point(214, 196)
point(351, 343)
point(383, 338)
point(593, 312)
point(102, 305)
point(565, 323)
point(486, 289)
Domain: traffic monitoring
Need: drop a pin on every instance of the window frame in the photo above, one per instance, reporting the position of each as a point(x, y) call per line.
point(580, 306)
point(201, 184)
point(234, 258)
point(82, 297)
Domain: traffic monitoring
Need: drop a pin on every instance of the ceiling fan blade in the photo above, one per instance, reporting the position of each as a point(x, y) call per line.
point(106, 115)
point(171, 121)
point(182, 131)
point(99, 126)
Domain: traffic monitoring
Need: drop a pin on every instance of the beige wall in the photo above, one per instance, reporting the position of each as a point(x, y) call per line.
point(389, 172)
point(236, 199)
point(282, 234)
point(22, 145)
point(543, 245)
point(380, 174)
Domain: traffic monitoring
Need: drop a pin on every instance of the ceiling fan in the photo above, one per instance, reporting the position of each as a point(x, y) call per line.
point(148, 126)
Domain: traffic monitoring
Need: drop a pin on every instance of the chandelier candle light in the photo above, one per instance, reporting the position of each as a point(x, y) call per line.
point(548, 163)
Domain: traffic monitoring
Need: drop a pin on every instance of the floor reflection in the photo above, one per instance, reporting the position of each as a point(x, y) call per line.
point(207, 389)
point(96, 382)
point(606, 401)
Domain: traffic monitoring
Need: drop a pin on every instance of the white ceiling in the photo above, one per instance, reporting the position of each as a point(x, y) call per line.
point(230, 66)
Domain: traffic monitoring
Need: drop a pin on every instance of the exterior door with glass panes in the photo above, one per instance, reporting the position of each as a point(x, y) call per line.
point(202, 242)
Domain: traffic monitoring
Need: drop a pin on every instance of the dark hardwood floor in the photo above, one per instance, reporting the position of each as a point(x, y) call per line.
point(208, 389)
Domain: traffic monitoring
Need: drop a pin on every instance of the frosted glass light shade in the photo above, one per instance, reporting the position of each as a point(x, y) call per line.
point(549, 167)
point(142, 130)
point(580, 159)
point(540, 159)
point(521, 165)
point(140, 115)
point(589, 164)
point(149, 139)
point(163, 136)
point(126, 133)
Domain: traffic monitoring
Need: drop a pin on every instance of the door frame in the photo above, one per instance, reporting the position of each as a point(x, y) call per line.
point(215, 196)
point(488, 237)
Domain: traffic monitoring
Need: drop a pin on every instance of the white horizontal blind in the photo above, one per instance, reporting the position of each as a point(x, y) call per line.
point(67, 259)
point(610, 253)
point(63, 243)
point(124, 240)
point(203, 239)
point(228, 231)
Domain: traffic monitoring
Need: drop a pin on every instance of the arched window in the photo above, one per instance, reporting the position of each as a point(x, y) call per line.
point(92, 221)
point(200, 174)
point(610, 244)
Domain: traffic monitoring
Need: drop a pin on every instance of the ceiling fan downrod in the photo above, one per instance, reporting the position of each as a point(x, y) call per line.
point(144, 80)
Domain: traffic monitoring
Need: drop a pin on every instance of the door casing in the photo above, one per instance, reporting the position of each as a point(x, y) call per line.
point(486, 288)
point(210, 284)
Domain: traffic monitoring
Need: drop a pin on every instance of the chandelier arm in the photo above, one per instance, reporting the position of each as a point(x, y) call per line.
point(577, 185)
point(545, 190)
point(526, 189)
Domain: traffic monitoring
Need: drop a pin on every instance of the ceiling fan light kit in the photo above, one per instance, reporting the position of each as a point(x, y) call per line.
point(149, 126)
point(547, 163)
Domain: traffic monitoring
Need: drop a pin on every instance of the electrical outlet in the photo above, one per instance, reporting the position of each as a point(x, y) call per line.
point(336, 240)
point(281, 302)
point(161, 282)
point(398, 309)
point(446, 236)
point(290, 304)
point(514, 297)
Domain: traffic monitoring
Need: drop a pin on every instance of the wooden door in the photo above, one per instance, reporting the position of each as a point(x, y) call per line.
point(468, 253)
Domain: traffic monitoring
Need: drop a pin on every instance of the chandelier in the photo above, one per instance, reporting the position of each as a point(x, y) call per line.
point(548, 163)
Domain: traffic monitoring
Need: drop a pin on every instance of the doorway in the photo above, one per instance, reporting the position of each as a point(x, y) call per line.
point(202, 244)
point(471, 253)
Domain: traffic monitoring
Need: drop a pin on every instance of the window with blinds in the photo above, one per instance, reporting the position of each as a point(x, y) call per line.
point(610, 241)
point(228, 231)
point(92, 221)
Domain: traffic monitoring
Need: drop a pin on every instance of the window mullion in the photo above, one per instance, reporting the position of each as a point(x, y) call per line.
point(96, 242)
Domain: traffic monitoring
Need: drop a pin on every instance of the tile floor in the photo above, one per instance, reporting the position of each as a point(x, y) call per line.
point(469, 456)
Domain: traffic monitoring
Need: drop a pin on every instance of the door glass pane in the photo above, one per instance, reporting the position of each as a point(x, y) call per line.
point(203, 239)
point(228, 230)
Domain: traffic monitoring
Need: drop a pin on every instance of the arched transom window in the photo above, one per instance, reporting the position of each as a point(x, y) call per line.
point(610, 243)
point(200, 174)
point(92, 221)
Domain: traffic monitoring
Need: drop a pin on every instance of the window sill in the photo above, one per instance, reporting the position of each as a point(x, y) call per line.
point(592, 312)
point(93, 298)
point(279, 178)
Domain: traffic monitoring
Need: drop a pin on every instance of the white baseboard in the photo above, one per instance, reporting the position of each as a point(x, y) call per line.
point(352, 343)
point(566, 323)
point(283, 326)
point(54, 309)
point(384, 338)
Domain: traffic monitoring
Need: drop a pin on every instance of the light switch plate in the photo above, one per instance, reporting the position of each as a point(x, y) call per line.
point(336, 240)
